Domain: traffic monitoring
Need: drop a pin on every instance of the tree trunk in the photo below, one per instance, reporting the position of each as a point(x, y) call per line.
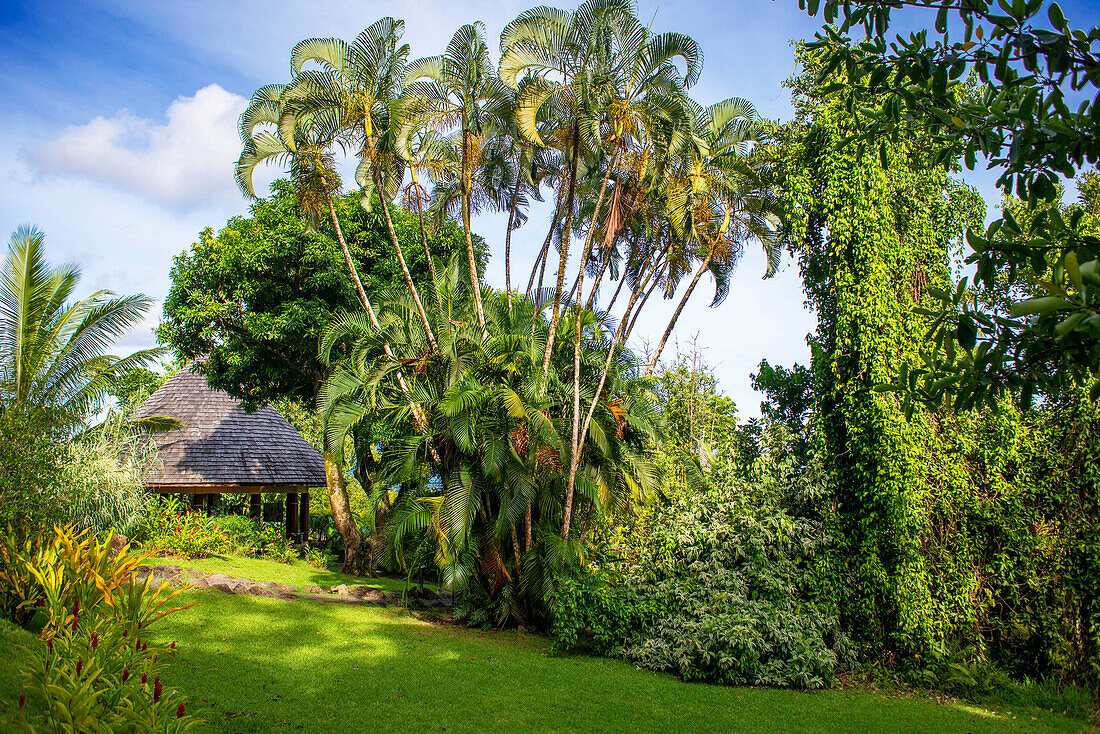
point(563, 256)
point(423, 232)
point(539, 266)
point(574, 460)
point(341, 514)
point(471, 256)
point(508, 241)
point(354, 271)
point(679, 308)
point(401, 260)
point(579, 285)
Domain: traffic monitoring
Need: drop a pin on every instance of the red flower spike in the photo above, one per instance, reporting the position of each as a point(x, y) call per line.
point(49, 644)
point(95, 640)
point(22, 699)
point(41, 602)
point(156, 689)
point(143, 677)
point(172, 646)
point(126, 632)
point(76, 613)
point(179, 711)
point(137, 645)
point(145, 647)
point(79, 665)
point(125, 674)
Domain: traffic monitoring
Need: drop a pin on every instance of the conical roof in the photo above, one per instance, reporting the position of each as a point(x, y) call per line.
point(223, 447)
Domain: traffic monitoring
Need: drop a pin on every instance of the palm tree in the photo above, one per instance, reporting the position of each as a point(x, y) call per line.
point(306, 149)
point(354, 93)
point(460, 90)
point(498, 432)
point(53, 352)
point(717, 200)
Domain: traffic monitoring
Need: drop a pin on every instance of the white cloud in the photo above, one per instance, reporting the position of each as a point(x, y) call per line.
point(185, 163)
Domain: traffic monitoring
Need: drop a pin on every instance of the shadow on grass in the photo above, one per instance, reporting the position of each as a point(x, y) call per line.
point(258, 665)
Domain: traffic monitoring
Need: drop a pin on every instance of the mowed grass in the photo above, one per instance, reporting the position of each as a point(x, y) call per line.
point(257, 665)
point(251, 664)
point(299, 573)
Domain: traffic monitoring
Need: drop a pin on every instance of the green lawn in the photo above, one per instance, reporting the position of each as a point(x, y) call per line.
point(252, 664)
point(299, 574)
point(259, 665)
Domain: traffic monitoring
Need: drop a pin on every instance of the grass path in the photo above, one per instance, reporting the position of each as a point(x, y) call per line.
point(262, 665)
point(299, 573)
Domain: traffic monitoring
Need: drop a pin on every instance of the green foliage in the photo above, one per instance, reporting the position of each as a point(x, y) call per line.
point(876, 240)
point(255, 297)
point(999, 89)
point(319, 559)
point(32, 465)
point(172, 527)
point(95, 671)
point(721, 593)
point(281, 549)
point(104, 476)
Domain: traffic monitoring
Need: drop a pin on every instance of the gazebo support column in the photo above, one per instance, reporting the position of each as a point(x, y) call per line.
point(303, 516)
point(254, 507)
point(211, 501)
point(291, 514)
point(196, 502)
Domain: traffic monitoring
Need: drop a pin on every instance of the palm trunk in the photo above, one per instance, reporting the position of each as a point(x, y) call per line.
point(508, 242)
point(423, 232)
point(591, 302)
point(349, 261)
point(676, 314)
point(528, 529)
point(563, 256)
point(341, 514)
point(540, 261)
point(371, 314)
point(579, 286)
point(401, 260)
point(574, 460)
point(471, 257)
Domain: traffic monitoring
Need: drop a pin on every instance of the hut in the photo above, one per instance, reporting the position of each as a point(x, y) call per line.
point(224, 449)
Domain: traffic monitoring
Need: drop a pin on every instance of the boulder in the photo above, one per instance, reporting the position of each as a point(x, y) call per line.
point(226, 587)
point(201, 583)
point(314, 590)
point(341, 590)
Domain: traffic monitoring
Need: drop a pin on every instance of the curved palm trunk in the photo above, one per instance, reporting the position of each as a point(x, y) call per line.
point(563, 256)
point(471, 257)
point(539, 266)
point(508, 242)
point(578, 439)
point(401, 260)
point(423, 232)
point(574, 461)
point(341, 515)
point(371, 314)
point(349, 261)
point(679, 308)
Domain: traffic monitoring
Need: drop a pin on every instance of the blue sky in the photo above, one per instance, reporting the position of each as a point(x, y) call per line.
point(117, 136)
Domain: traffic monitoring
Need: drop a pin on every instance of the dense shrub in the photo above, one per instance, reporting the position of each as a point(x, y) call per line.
point(95, 671)
point(32, 462)
point(104, 473)
point(171, 527)
point(720, 590)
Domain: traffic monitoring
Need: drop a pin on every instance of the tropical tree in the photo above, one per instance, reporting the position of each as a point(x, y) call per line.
point(52, 351)
point(352, 96)
point(717, 200)
point(459, 90)
point(497, 433)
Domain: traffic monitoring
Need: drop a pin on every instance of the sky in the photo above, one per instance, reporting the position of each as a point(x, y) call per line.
point(118, 138)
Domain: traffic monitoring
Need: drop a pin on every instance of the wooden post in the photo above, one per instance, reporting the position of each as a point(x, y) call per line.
point(196, 502)
point(291, 514)
point(211, 499)
point(254, 508)
point(303, 516)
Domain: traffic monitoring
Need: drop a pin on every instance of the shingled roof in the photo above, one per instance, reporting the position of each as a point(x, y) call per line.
point(223, 447)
